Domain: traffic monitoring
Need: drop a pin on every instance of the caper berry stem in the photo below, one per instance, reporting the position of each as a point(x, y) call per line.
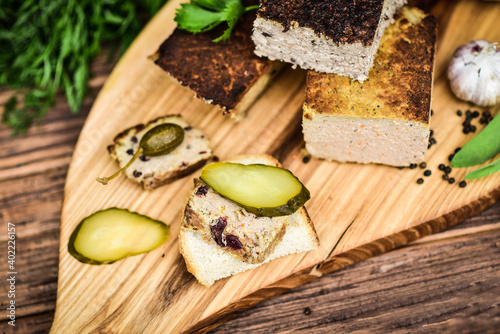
point(105, 180)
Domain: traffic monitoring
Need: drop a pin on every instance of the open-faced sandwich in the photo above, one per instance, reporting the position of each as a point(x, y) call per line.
point(159, 152)
point(242, 214)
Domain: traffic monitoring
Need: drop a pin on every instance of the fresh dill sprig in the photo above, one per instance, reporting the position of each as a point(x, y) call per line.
point(48, 45)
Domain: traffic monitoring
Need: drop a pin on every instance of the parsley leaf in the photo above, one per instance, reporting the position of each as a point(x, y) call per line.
point(203, 15)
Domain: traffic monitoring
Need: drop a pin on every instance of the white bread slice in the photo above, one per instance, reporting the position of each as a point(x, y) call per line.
point(209, 262)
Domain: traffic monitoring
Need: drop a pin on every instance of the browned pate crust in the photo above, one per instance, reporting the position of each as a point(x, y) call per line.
point(399, 85)
point(221, 73)
point(342, 21)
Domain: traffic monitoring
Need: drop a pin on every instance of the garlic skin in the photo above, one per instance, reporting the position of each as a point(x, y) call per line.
point(474, 73)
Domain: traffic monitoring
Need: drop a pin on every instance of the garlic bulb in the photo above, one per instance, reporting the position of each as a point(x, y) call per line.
point(474, 73)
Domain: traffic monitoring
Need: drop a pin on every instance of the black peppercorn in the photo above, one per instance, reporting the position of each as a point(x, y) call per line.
point(441, 167)
point(133, 139)
point(451, 180)
point(413, 166)
point(447, 169)
point(450, 157)
point(306, 159)
point(427, 173)
point(457, 149)
point(431, 133)
point(423, 165)
point(420, 181)
point(475, 114)
point(130, 152)
point(137, 173)
point(462, 184)
point(459, 112)
point(446, 177)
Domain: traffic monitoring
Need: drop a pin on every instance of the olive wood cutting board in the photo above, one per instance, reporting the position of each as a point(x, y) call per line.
point(358, 210)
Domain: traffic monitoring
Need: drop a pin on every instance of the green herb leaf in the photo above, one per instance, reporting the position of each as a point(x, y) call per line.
point(483, 147)
point(195, 19)
point(483, 171)
point(203, 15)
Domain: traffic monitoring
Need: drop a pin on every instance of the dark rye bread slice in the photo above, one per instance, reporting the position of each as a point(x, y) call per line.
point(153, 172)
point(330, 36)
point(227, 73)
point(385, 119)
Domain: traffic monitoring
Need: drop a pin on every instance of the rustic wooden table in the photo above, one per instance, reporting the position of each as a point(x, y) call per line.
point(447, 282)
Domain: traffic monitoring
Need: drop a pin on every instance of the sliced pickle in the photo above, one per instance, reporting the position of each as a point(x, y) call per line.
point(113, 234)
point(265, 191)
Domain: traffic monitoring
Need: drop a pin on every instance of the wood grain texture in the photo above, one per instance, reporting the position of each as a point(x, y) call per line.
point(37, 288)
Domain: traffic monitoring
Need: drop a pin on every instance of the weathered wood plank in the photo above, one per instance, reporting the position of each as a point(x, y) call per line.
point(459, 255)
point(417, 287)
point(36, 279)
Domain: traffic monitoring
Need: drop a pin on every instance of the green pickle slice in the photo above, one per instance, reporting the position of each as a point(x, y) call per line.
point(265, 191)
point(113, 234)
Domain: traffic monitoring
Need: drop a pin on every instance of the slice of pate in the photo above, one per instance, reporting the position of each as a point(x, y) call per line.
point(222, 222)
point(227, 74)
point(339, 36)
point(386, 119)
point(152, 172)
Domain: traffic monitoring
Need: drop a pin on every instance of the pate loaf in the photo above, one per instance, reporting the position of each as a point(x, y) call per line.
point(386, 119)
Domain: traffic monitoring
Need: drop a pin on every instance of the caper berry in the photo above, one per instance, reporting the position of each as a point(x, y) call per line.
point(160, 140)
